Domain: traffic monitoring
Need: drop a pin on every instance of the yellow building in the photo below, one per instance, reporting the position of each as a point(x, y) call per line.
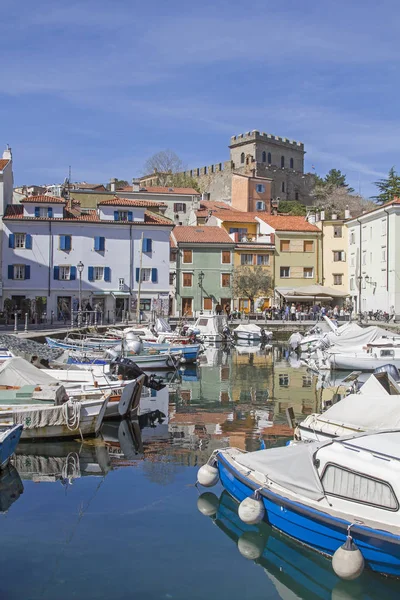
point(334, 254)
point(297, 252)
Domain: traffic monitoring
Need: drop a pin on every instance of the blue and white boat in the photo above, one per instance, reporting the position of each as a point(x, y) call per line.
point(188, 352)
point(9, 438)
point(322, 492)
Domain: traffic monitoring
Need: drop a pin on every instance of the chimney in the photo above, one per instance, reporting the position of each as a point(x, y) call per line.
point(135, 185)
point(204, 196)
point(322, 215)
point(334, 216)
point(347, 214)
point(113, 184)
point(7, 154)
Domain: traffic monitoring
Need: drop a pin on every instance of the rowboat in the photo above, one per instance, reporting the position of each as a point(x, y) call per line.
point(9, 438)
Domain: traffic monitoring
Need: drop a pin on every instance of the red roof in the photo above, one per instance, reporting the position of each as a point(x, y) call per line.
point(207, 206)
point(206, 234)
point(288, 223)
point(16, 211)
point(236, 216)
point(162, 190)
point(3, 162)
point(127, 202)
point(44, 199)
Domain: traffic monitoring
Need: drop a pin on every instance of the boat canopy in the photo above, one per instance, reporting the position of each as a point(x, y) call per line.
point(354, 336)
point(18, 372)
point(365, 412)
point(248, 328)
point(291, 467)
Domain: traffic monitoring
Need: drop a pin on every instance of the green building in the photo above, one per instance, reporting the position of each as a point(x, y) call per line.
point(201, 269)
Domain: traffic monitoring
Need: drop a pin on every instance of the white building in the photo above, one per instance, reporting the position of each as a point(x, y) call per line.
point(374, 259)
point(45, 238)
point(6, 180)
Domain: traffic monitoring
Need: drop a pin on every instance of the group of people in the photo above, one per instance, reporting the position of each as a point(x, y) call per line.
point(301, 312)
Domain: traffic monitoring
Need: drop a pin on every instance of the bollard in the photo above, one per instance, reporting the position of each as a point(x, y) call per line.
point(15, 322)
point(26, 322)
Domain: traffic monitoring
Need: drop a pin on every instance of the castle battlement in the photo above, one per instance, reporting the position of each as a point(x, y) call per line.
point(251, 136)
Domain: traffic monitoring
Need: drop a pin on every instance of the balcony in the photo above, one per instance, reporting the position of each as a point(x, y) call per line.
point(250, 238)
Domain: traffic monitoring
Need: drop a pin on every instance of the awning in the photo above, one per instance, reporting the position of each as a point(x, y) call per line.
point(99, 293)
point(313, 292)
point(120, 294)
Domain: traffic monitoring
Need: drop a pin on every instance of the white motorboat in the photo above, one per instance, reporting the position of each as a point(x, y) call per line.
point(252, 333)
point(212, 328)
point(368, 359)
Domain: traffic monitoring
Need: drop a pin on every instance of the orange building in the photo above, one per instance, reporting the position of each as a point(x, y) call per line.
point(251, 194)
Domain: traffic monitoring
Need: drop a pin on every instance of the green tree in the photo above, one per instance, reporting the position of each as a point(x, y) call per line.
point(251, 282)
point(389, 188)
point(337, 179)
point(292, 207)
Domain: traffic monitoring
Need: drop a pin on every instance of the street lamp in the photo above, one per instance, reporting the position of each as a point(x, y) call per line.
point(201, 277)
point(80, 266)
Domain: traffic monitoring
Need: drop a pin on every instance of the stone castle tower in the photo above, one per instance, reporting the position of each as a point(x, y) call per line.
point(260, 155)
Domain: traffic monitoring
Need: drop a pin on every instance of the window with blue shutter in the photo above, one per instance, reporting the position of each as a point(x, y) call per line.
point(130, 215)
point(27, 271)
point(11, 241)
point(116, 215)
point(72, 273)
point(56, 272)
point(91, 273)
point(107, 274)
point(147, 245)
point(99, 244)
point(37, 211)
point(10, 271)
point(137, 273)
point(154, 275)
point(65, 242)
point(50, 212)
point(28, 241)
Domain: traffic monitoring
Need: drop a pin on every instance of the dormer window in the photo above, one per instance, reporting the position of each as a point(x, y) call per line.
point(44, 212)
point(123, 215)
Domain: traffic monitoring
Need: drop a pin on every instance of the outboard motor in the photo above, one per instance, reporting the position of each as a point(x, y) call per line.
point(226, 332)
point(390, 370)
point(130, 370)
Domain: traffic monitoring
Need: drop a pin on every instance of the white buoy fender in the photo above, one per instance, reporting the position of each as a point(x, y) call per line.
point(251, 510)
point(348, 561)
point(251, 545)
point(207, 504)
point(207, 475)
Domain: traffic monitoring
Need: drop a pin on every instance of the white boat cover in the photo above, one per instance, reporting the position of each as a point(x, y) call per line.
point(250, 328)
point(359, 411)
point(162, 326)
point(18, 372)
point(355, 336)
point(291, 467)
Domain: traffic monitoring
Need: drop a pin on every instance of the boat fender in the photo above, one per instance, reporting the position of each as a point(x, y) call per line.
point(348, 561)
point(207, 475)
point(251, 510)
point(251, 545)
point(207, 504)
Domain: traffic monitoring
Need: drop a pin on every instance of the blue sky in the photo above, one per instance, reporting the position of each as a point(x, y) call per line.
point(101, 85)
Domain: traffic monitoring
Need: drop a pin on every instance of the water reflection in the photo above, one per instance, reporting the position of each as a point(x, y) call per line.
point(290, 567)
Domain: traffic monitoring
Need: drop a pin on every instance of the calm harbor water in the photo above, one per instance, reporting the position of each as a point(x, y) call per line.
point(117, 517)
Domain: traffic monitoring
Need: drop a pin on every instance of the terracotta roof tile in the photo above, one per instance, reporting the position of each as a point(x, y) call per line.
point(16, 211)
point(88, 186)
point(3, 162)
point(209, 205)
point(288, 223)
point(162, 190)
point(203, 234)
point(237, 216)
point(44, 199)
point(127, 202)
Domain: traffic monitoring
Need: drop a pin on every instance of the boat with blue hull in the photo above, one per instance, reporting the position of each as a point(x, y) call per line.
point(9, 438)
point(320, 493)
point(292, 568)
